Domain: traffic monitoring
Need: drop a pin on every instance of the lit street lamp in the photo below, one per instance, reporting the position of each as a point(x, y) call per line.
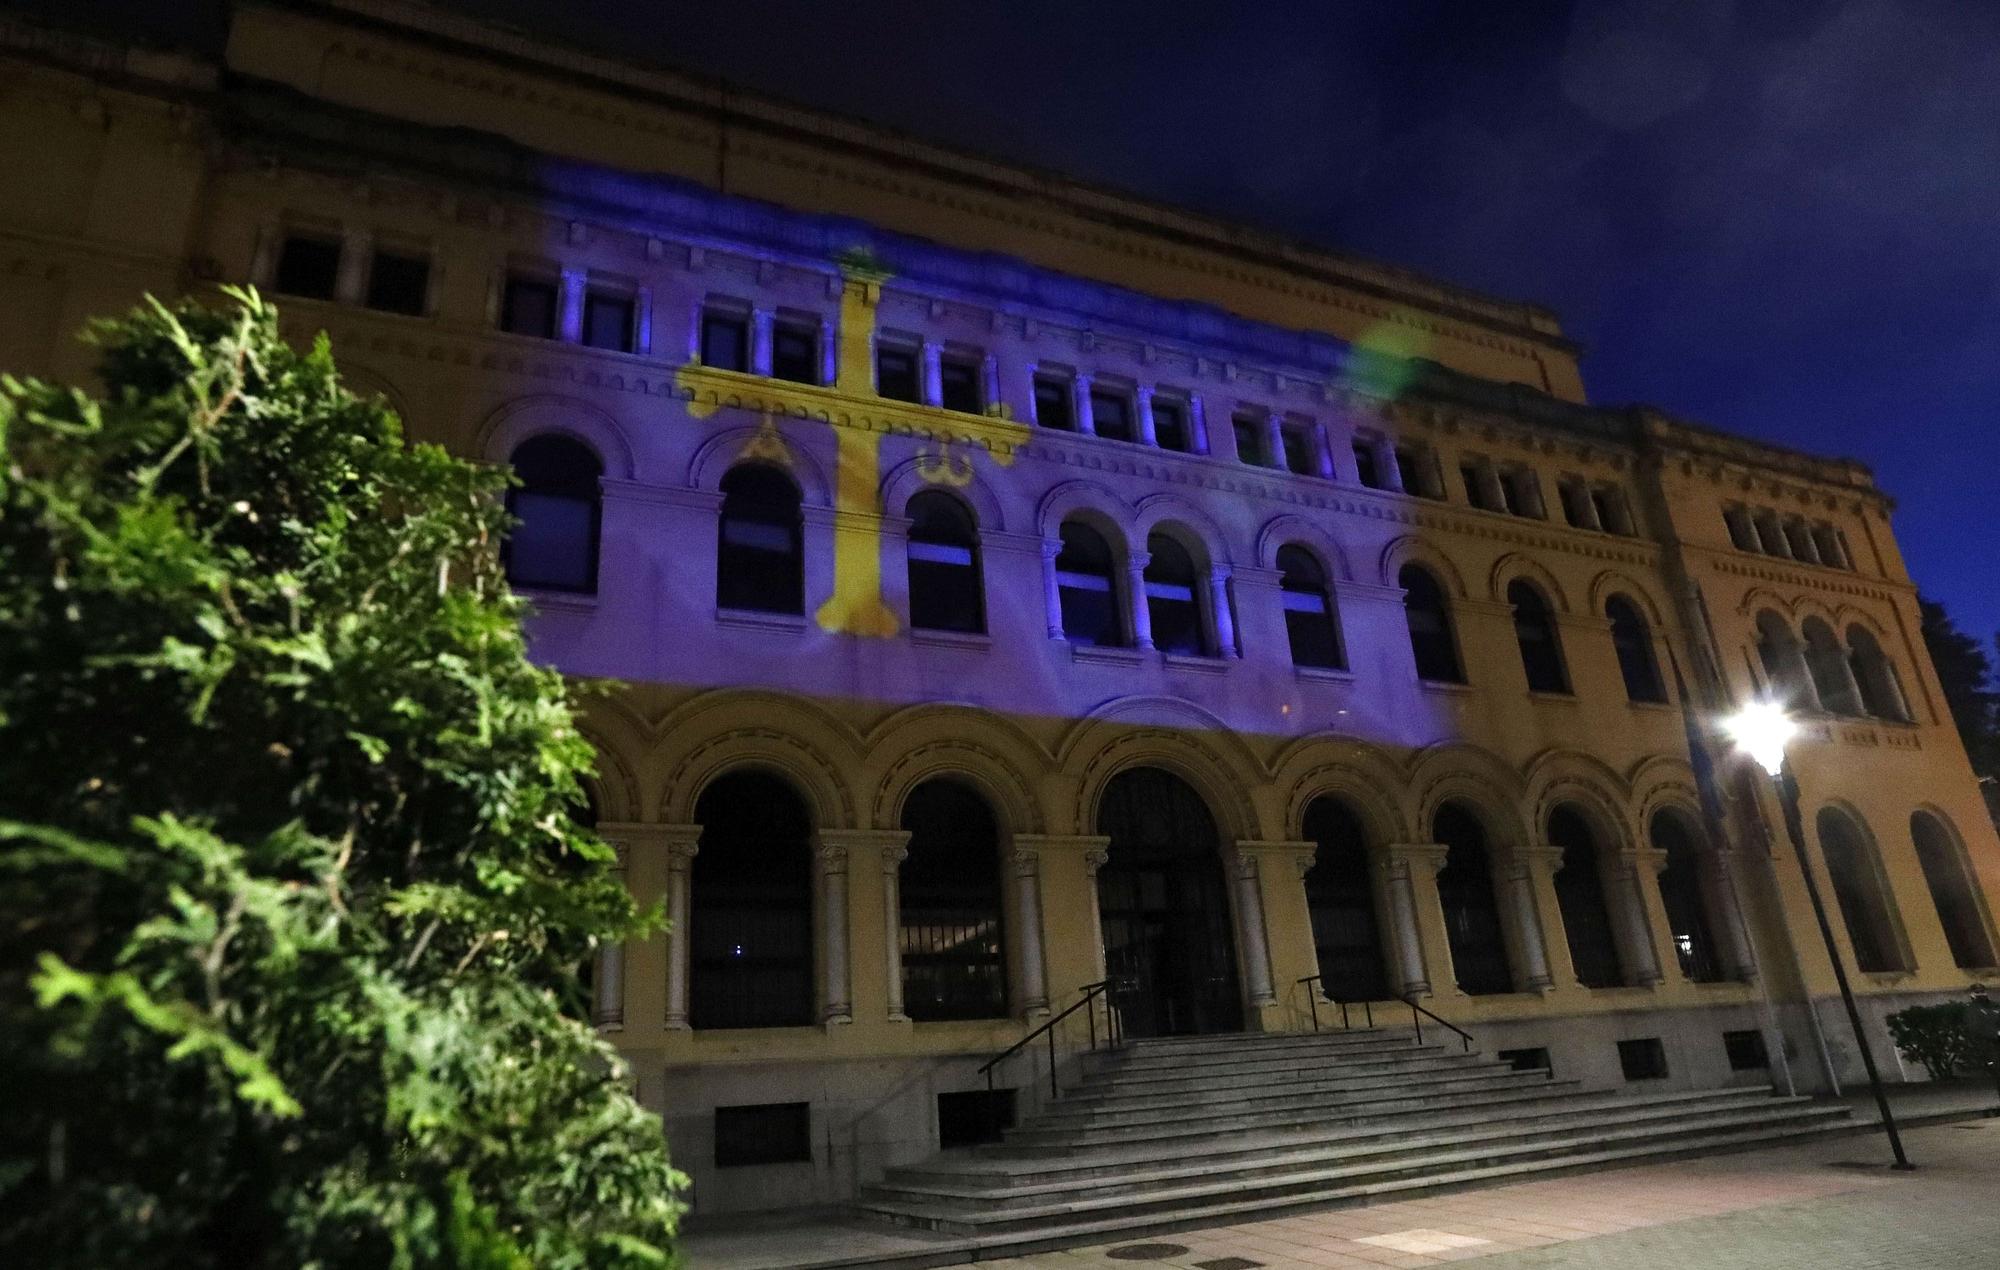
point(1760, 730)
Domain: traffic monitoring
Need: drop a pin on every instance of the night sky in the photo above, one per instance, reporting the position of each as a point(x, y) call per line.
point(1779, 219)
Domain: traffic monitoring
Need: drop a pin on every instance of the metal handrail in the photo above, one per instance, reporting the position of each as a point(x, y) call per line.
point(1312, 1000)
point(1465, 1037)
point(1113, 1033)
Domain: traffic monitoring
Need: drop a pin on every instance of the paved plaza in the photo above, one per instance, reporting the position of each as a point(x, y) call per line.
point(1792, 1207)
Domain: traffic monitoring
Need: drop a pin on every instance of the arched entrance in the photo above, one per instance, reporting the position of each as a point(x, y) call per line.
point(1168, 942)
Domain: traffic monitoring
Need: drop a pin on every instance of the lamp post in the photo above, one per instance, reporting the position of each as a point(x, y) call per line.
point(1760, 730)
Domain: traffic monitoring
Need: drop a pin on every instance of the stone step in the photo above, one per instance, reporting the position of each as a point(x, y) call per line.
point(1212, 1201)
point(994, 1245)
point(1216, 1133)
point(989, 1167)
point(1226, 1103)
point(1110, 1066)
point(1081, 1180)
point(1168, 1084)
point(1195, 1048)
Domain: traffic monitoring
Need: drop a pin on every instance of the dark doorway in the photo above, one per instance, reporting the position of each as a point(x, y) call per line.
point(1471, 910)
point(1341, 900)
point(750, 906)
point(1168, 944)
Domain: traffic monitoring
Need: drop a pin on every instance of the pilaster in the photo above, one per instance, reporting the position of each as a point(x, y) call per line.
point(1407, 873)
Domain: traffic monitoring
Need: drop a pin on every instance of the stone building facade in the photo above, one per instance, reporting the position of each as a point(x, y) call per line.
point(1011, 585)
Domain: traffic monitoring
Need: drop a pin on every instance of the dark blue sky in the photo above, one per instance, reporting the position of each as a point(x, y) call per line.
point(1781, 219)
point(1787, 226)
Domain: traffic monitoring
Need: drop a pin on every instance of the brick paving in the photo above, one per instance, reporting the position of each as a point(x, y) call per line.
point(1772, 1210)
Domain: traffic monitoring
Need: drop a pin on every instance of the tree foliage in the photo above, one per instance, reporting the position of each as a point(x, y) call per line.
point(1971, 693)
point(292, 905)
point(1933, 1035)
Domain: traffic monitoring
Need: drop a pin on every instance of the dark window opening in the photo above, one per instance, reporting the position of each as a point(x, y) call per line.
point(769, 1133)
point(1053, 406)
point(896, 373)
point(1746, 1051)
point(959, 385)
point(528, 307)
point(951, 934)
point(1951, 892)
point(1340, 898)
point(945, 589)
point(308, 266)
point(554, 547)
point(1250, 436)
point(759, 564)
point(1367, 469)
point(795, 352)
point(1111, 415)
point(1420, 474)
point(1612, 513)
point(974, 1117)
point(608, 320)
point(1170, 426)
point(750, 906)
point(1087, 589)
point(1171, 602)
point(1429, 620)
point(1309, 624)
point(1471, 908)
point(1632, 641)
point(1857, 888)
point(1682, 896)
point(1526, 1060)
point(1586, 918)
point(1477, 491)
point(1535, 632)
point(1643, 1059)
point(398, 283)
point(1300, 457)
point(725, 340)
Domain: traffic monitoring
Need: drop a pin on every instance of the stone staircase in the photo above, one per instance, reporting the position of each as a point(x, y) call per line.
point(1189, 1132)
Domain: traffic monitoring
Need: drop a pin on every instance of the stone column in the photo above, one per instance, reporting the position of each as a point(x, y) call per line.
point(1409, 877)
point(1080, 407)
point(892, 856)
point(569, 326)
point(830, 905)
point(1031, 985)
point(357, 256)
point(1251, 936)
point(1390, 465)
point(681, 842)
point(1629, 875)
point(1523, 872)
point(642, 307)
point(1198, 438)
point(1052, 587)
point(1274, 440)
point(760, 342)
point(989, 384)
point(829, 354)
point(1718, 885)
point(1225, 619)
point(1135, 596)
point(930, 359)
point(1142, 403)
point(607, 1006)
point(1068, 912)
point(1095, 858)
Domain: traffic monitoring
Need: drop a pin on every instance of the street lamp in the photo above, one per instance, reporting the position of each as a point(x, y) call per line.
point(1760, 730)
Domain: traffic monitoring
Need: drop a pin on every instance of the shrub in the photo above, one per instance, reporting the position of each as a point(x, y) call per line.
point(1933, 1035)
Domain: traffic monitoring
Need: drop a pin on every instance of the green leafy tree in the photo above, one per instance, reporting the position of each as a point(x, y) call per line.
point(292, 904)
point(1971, 693)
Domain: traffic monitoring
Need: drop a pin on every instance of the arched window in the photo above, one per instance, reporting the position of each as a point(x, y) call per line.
point(1958, 907)
point(1684, 895)
point(1881, 695)
point(1784, 662)
point(1471, 909)
point(1429, 618)
point(1586, 918)
point(1171, 601)
point(1826, 662)
point(945, 590)
point(1309, 623)
point(750, 906)
point(1633, 642)
point(1535, 632)
point(1341, 901)
point(1087, 588)
point(759, 565)
point(954, 963)
point(1865, 906)
point(557, 503)
point(1163, 905)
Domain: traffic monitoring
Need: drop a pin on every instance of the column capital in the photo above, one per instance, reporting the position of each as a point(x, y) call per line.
point(1023, 861)
point(1640, 860)
point(1415, 855)
point(679, 842)
point(1299, 855)
point(1532, 854)
point(1055, 843)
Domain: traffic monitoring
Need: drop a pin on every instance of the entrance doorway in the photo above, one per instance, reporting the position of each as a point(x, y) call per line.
point(1168, 944)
